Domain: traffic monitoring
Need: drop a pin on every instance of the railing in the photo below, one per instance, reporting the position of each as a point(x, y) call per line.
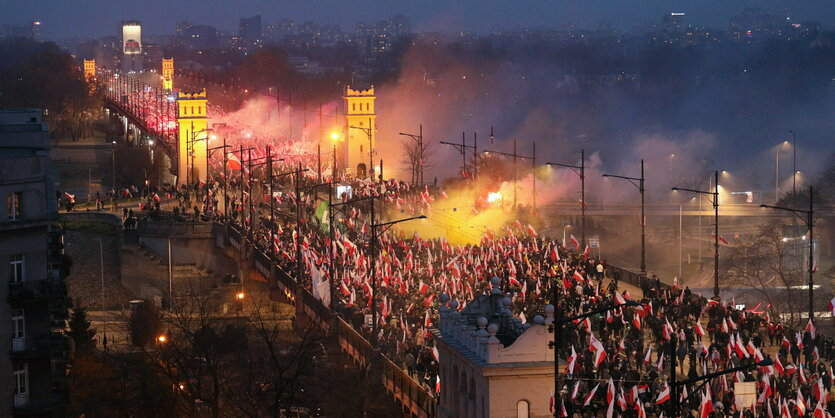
point(100, 217)
point(18, 344)
point(189, 229)
point(405, 390)
point(21, 400)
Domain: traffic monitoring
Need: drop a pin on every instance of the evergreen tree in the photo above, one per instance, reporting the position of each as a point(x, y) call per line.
point(80, 331)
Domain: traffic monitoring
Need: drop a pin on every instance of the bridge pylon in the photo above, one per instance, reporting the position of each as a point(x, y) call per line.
point(192, 137)
point(168, 75)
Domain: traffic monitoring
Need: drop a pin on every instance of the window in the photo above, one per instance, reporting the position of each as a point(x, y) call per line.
point(21, 379)
point(16, 268)
point(13, 204)
point(523, 409)
point(18, 324)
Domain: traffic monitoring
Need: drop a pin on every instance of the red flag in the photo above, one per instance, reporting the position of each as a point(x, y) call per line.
point(664, 396)
point(575, 242)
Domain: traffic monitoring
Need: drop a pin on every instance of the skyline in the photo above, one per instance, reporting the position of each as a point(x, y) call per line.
point(84, 20)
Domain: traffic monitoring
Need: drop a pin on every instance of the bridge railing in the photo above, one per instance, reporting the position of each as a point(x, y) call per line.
point(405, 390)
point(189, 229)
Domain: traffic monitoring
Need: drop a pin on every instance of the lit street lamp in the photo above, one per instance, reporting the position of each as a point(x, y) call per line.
point(641, 189)
point(715, 194)
point(580, 171)
point(556, 329)
point(810, 224)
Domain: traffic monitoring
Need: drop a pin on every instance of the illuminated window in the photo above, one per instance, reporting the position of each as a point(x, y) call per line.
point(13, 205)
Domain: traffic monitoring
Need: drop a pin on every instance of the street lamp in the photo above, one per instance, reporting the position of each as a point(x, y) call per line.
point(373, 270)
point(641, 189)
point(715, 194)
point(794, 162)
point(556, 329)
point(419, 139)
point(580, 171)
point(335, 138)
point(810, 223)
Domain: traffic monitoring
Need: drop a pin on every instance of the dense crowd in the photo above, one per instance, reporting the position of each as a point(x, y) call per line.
point(617, 363)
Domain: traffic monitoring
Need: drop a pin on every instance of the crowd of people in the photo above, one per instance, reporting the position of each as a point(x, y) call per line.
point(616, 363)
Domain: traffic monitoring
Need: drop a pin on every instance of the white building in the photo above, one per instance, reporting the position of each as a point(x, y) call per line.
point(492, 365)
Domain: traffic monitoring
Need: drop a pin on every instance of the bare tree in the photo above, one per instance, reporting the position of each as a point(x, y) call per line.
point(417, 158)
point(759, 262)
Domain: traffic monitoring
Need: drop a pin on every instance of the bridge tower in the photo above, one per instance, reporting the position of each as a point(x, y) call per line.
point(361, 131)
point(90, 74)
point(193, 135)
point(168, 75)
point(89, 70)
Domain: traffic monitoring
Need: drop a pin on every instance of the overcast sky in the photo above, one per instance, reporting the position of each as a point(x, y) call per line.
point(92, 18)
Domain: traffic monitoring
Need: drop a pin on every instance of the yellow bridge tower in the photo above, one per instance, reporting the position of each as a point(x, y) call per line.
point(361, 130)
point(193, 136)
point(90, 73)
point(168, 75)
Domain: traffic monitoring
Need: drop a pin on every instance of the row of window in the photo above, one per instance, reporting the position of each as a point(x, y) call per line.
point(354, 107)
point(191, 109)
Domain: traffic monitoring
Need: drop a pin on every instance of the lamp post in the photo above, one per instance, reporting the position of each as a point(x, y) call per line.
point(515, 156)
point(715, 194)
point(810, 224)
point(580, 170)
point(556, 329)
point(641, 189)
point(794, 162)
point(419, 139)
point(190, 149)
point(373, 270)
point(208, 154)
point(462, 149)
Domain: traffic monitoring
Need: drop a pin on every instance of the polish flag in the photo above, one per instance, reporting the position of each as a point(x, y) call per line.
point(699, 329)
point(819, 411)
point(599, 356)
point(636, 321)
point(811, 328)
point(423, 288)
point(647, 357)
point(778, 366)
point(579, 277)
point(344, 288)
point(800, 404)
point(569, 369)
point(664, 396)
point(586, 252)
point(532, 231)
point(832, 306)
point(555, 256)
point(233, 162)
point(575, 242)
point(706, 407)
point(619, 299)
point(799, 340)
point(575, 391)
point(610, 392)
point(661, 362)
point(610, 412)
point(589, 397)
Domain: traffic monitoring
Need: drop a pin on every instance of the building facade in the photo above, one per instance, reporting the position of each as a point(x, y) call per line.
point(34, 298)
point(361, 138)
point(492, 365)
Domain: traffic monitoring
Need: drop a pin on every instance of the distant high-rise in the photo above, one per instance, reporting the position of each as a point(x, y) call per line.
point(673, 22)
point(131, 46)
point(250, 28)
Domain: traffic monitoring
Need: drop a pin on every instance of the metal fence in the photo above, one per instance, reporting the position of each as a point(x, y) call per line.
point(405, 390)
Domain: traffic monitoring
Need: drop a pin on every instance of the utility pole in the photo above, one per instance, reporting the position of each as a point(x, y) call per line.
point(715, 195)
point(515, 156)
point(579, 170)
point(641, 189)
point(810, 224)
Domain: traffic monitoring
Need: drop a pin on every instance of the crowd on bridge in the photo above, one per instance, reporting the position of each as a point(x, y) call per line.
point(615, 364)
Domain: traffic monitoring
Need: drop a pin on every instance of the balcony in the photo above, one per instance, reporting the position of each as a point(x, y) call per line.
point(30, 403)
point(52, 290)
point(52, 345)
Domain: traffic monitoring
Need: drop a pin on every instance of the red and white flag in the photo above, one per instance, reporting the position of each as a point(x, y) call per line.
point(575, 242)
point(590, 396)
point(664, 396)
